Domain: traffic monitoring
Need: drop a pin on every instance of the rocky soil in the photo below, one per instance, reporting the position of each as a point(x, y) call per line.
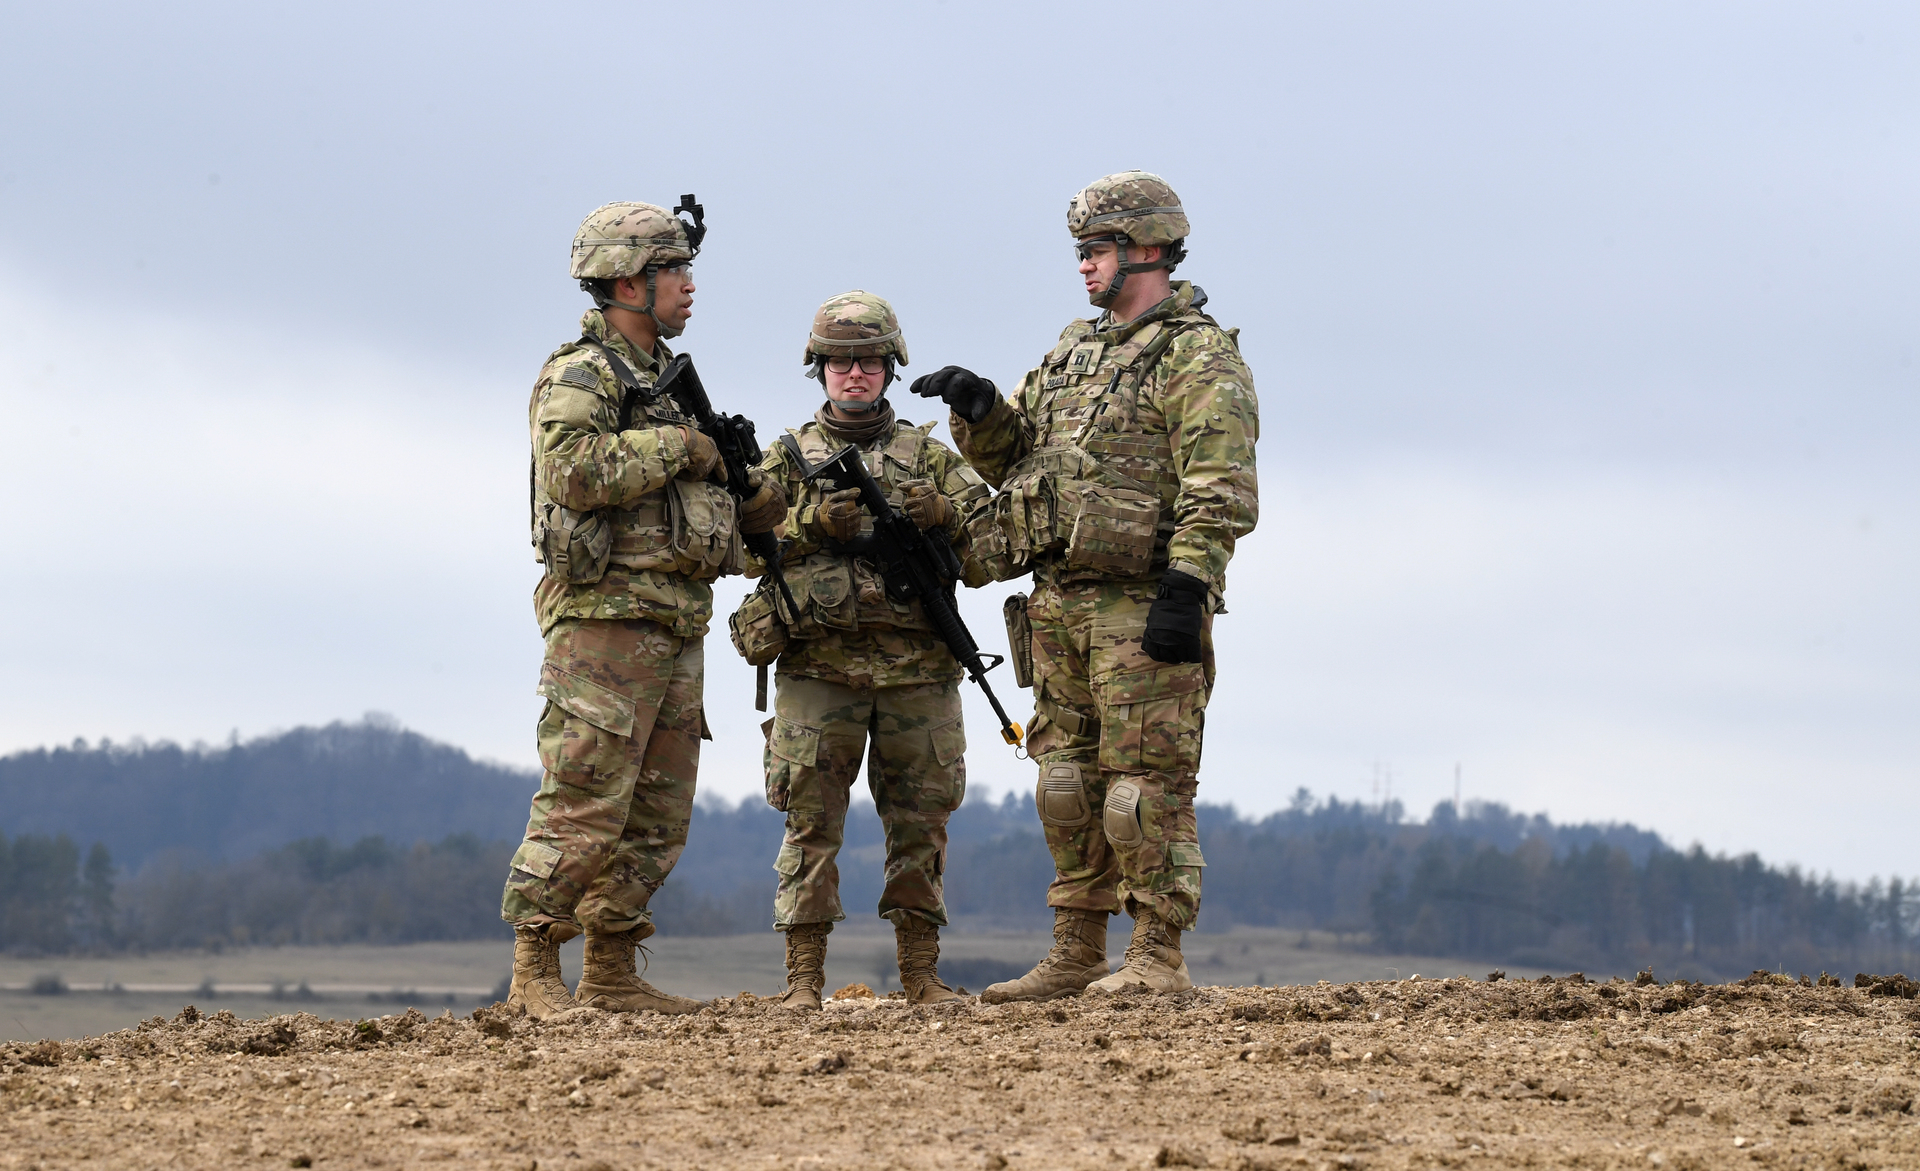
point(1409, 1073)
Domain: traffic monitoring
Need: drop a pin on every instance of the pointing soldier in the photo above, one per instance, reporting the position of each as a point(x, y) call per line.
point(1125, 464)
point(857, 665)
point(632, 531)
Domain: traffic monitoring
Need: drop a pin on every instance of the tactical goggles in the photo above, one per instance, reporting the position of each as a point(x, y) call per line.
point(844, 365)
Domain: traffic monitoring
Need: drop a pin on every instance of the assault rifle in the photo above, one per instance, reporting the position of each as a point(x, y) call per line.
point(739, 452)
point(915, 564)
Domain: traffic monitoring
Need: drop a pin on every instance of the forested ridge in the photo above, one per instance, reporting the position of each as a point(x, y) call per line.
point(369, 833)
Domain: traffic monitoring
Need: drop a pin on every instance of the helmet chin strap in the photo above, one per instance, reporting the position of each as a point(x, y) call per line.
point(1105, 298)
point(858, 407)
point(660, 328)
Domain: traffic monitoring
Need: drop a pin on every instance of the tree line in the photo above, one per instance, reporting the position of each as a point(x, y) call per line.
point(1484, 883)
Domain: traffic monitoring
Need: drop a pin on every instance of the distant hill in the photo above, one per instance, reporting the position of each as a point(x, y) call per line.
point(368, 832)
point(343, 781)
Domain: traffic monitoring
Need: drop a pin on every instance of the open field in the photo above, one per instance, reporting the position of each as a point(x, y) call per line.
point(1388, 1074)
point(360, 981)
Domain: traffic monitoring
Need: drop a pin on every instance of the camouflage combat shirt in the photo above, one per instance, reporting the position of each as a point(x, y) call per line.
point(583, 461)
point(1190, 437)
point(878, 642)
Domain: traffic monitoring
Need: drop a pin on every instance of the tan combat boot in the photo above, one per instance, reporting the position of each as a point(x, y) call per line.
point(610, 979)
point(1078, 958)
point(806, 966)
point(537, 986)
point(916, 945)
point(1153, 960)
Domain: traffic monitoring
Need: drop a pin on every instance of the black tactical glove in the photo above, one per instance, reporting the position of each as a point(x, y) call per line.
point(1174, 622)
point(969, 395)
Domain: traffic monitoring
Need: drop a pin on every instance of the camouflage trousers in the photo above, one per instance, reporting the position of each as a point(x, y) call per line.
point(1117, 738)
point(917, 774)
point(620, 745)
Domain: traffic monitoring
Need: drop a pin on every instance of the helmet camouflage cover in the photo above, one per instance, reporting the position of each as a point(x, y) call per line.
point(856, 324)
point(621, 239)
point(1135, 204)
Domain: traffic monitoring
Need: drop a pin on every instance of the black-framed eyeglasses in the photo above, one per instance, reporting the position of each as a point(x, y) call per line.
point(845, 365)
point(1086, 249)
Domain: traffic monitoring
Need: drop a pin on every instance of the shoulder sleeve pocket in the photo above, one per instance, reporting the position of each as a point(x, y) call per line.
point(600, 706)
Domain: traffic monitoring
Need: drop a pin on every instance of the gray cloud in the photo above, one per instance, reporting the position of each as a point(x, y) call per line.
point(1586, 341)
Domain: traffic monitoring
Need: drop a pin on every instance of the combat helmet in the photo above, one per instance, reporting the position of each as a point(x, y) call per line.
point(855, 324)
point(1131, 206)
point(630, 239)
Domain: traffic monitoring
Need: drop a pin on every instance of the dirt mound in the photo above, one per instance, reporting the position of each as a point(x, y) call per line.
point(1409, 1073)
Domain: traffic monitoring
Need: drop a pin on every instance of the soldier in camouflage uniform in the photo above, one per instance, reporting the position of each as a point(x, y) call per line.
point(632, 531)
point(1126, 473)
point(857, 665)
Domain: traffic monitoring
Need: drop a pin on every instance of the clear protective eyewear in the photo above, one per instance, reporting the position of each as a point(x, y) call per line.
point(844, 365)
point(1094, 246)
point(680, 268)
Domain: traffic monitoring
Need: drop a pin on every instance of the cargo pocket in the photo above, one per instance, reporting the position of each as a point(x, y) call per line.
point(788, 861)
point(949, 740)
point(537, 859)
point(1150, 720)
point(600, 706)
point(584, 732)
point(1185, 854)
point(792, 750)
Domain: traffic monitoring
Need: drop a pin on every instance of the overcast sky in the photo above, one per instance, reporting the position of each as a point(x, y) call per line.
point(1585, 340)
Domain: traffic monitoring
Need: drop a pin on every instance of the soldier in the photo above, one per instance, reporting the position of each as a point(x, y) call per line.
point(1126, 473)
point(857, 665)
point(632, 532)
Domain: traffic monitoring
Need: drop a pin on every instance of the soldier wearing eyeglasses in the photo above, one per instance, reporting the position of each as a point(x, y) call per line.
point(859, 672)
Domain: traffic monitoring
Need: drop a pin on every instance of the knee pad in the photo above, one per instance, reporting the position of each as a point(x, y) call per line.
point(1122, 818)
point(1062, 796)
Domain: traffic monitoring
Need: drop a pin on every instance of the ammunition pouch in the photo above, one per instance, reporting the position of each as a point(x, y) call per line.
point(758, 633)
point(1062, 502)
point(703, 530)
point(574, 546)
point(1113, 529)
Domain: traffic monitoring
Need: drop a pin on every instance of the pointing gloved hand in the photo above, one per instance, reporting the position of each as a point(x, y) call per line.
point(969, 395)
point(702, 456)
point(839, 515)
point(924, 505)
point(1175, 619)
point(763, 511)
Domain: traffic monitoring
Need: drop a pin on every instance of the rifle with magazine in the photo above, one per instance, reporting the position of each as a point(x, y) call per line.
point(915, 564)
